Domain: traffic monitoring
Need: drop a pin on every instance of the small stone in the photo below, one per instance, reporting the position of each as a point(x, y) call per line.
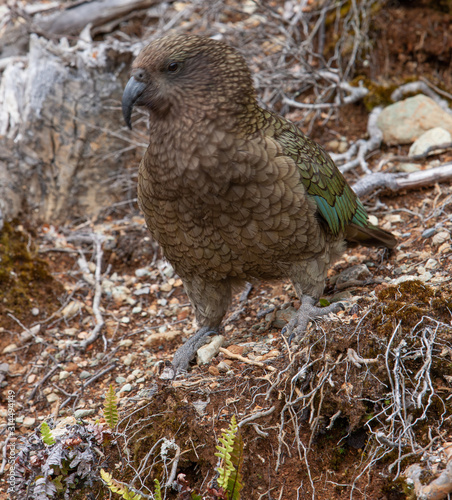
point(140, 273)
point(166, 287)
point(373, 220)
point(125, 320)
point(355, 273)
point(29, 421)
point(407, 167)
point(63, 375)
point(236, 349)
point(142, 291)
point(129, 359)
point(434, 137)
point(445, 248)
point(35, 311)
point(440, 238)
point(9, 348)
point(428, 232)
point(137, 310)
point(282, 316)
point(207, 352)
point(31, 378)
point(157, 338)
point(79, 414)
point(223, 367)
point(126, 343)
point(71, 309)
point(52, 397)
point(120, 380)
point(213, 370)
point(431, 264)
point(85, 374)
point(125, 388)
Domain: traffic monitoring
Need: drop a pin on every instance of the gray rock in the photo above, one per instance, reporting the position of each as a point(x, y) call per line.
point(360, 272)
point(78, 414)
point(405, 121)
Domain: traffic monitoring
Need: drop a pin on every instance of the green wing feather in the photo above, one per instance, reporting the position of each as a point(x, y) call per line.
point(336, 201)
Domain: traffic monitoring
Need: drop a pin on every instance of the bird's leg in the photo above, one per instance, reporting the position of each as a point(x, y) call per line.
point(210, 301)
point(308, 311)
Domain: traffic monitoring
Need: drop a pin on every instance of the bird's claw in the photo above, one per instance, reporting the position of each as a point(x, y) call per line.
point(186, 353)
point(308, 311)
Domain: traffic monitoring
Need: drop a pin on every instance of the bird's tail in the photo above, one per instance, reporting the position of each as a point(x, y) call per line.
point(369, 236)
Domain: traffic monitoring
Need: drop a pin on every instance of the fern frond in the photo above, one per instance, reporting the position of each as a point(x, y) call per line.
point(117, 487)
point(231, 454)
point(46, 433)
point(111, 408)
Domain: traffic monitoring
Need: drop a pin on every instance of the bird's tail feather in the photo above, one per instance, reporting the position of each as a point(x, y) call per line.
point(370, 236)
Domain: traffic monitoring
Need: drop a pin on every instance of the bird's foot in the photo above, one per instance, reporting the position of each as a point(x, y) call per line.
point(307, 312)
point(187, 352)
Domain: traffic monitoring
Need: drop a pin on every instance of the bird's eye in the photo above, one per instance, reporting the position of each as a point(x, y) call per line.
point(173, 67)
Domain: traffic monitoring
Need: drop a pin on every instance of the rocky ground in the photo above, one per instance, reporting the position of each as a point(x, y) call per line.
point(366, 395)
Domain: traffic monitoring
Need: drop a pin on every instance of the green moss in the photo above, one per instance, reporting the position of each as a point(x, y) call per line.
point(24, 277)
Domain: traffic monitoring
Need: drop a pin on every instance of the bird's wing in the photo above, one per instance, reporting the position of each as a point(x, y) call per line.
point(336, 201)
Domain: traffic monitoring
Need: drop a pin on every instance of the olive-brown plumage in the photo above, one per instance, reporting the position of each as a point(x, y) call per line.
point(233, 192)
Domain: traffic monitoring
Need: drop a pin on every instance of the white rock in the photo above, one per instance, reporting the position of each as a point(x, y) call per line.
point(29, 421)
point(440, 237)
point(405, 121)
point(433, 137)
point(207, 352)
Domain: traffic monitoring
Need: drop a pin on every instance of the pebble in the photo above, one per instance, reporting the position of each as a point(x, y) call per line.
point(140, 273)
point(282, 317)
point(137, 310)
point(440, 238)
point(429, 232)
point(85, 374)
point(125, 319)
point(9, 348)
point(71, 309)
point(29, 421)
point(120, 380)
point(78, 414)
point(359, 272)
point(207, 352)
point(142, 291)
point(223, 367)
point(126, 343)
point(128, 359)
point(407, 167)
point(31, 379)
point(431, 264)
point(125, 388)
point(52, 397)
point(434, 137)
point(35, 311)
point(166, 287)
point(63, 375)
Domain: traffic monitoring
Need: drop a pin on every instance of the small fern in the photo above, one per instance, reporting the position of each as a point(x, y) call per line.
point(46, 433)
point(231, 454)
point(111, 408)
point(124, 491)
point(158, 491)
point(117, 487)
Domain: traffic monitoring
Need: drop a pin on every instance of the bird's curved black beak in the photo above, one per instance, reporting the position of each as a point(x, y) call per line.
point(131, 94)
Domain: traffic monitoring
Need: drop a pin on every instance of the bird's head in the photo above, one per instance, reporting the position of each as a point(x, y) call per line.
point(180, 73)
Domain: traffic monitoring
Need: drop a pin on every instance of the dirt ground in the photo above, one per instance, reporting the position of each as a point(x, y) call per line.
point(365, 395)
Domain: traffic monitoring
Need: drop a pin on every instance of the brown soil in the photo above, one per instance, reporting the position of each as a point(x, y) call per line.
point(329, 445)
